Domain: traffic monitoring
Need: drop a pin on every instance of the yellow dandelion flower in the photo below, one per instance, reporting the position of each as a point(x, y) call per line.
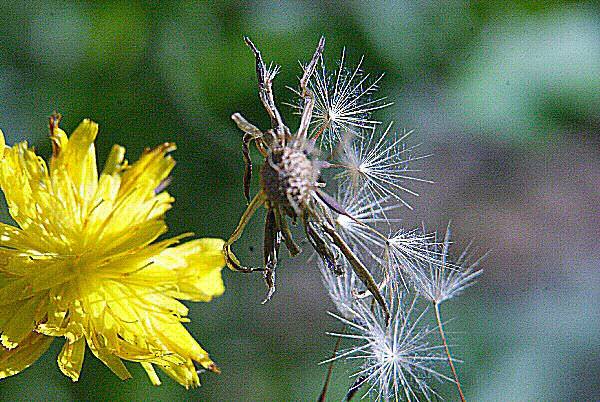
point(81, 264)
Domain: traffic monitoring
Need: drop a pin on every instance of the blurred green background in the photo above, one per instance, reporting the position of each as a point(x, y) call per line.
point(505, 95)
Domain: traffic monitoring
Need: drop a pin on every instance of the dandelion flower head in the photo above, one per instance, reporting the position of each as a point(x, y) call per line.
point(82, 262)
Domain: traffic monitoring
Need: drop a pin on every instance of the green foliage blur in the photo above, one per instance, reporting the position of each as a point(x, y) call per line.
point(505, 95)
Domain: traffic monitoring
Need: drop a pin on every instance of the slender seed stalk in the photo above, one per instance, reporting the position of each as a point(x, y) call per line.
point(321, 130)
point(355, 388)
point(331, 363)
point(441, 327)
point(340, 165)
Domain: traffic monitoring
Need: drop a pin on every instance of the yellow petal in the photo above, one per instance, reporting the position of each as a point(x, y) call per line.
point(144, 353)
point(57, 135)
point(70, 359)
point(98, 348)
point(78, 158)
point(19, 321)
point(15, 178)
point(13, 241)
point(134, 236)
point(184, 374)
point(178, 340)
point(14, 289)
point(150, 170)
point(132, 213)
point(24, 355)
point(151, 373)
point(114, 162)
point(198, 264)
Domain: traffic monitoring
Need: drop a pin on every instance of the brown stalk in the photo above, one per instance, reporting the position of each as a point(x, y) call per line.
point(440, 326)
point(330, 369)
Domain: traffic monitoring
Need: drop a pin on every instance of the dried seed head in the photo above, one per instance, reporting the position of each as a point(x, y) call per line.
point(287, 177)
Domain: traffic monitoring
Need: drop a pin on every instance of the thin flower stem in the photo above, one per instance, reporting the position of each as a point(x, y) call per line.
point(330, 369)
point(441, 327)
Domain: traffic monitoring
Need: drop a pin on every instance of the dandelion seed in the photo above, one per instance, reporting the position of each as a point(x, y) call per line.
point(81, 264)
point(381, 165)
point(442, 280)
point(405, 250)
point(364, 215)
point(341, 288)
point(343, 102)
point(398, 360)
